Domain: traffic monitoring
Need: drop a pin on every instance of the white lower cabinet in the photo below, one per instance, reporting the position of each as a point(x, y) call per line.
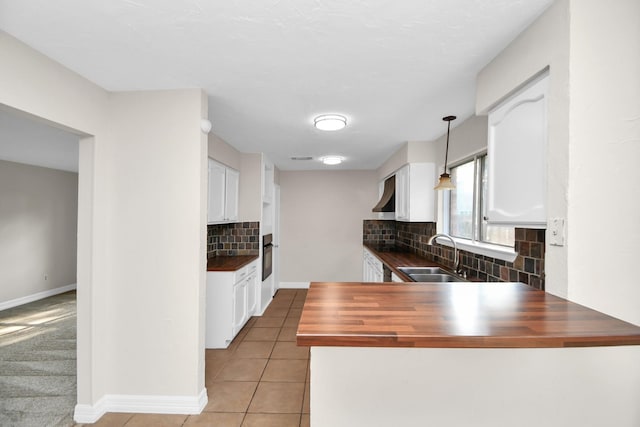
point(231, 301)
point(371, 268)
point(240, 313)
point(253, 286)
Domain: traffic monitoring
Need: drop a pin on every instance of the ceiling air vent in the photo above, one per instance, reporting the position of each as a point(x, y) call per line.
point(302, 158)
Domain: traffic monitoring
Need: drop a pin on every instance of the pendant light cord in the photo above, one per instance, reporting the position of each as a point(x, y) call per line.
point(446, 153)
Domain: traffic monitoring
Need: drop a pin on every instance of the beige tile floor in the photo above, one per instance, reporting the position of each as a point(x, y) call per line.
point(262, 379)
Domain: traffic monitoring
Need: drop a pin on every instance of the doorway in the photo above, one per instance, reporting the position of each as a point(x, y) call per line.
point(42, 188)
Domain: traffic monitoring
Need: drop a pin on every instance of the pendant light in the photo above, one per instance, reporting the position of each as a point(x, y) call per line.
point(445, 179)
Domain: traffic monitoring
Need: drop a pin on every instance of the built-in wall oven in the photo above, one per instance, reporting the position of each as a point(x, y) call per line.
point(267, 256)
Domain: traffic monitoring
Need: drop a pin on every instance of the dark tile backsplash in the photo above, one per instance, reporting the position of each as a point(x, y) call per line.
point(242, 238)
point(528, 267)
point(379, 232)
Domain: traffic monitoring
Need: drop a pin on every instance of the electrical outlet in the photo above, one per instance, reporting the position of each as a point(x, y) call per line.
point(556, 231)
point(46, 277)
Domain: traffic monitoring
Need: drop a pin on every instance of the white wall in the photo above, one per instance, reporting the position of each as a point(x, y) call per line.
point(591, 50)
point(32, 83)
point(221, 151)
point(38, 224)
point(250, 201)
point(603, 208)
point(393, 163)
point(321, 214)
point(157, 273)
point(544, 44)
point(141, 226)
point(466, 139)
point(479, 387)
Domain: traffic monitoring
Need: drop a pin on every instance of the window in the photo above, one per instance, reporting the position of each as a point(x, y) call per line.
point(466, 209)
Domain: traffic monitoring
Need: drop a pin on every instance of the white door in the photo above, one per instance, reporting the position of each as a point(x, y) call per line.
point(276, 240)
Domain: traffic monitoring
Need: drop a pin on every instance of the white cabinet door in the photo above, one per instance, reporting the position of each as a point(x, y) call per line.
point(219, 309)
point(224, 186)
point(239, 305)
point(415, 197)
point(216, 208)
point(252, 297)
point(365, 265)
point(371, 268)
point(402, 194)
point(516, 193)
point(267, 181)
point(231, 194)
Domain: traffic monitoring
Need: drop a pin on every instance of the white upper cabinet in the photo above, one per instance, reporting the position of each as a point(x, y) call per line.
point(402, 194)
point(517, 143)
point(223, 193)
point(232, 189)
point(415, 197)
point(267, 181)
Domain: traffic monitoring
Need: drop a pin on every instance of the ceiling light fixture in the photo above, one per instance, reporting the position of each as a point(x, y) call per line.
point(332, 160)
point(330, 122)
point(445, 179)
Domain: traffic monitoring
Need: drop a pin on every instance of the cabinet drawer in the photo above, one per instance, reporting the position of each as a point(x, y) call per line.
point(240, 274)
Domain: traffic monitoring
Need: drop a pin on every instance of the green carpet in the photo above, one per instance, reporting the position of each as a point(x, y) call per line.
point(38, 363)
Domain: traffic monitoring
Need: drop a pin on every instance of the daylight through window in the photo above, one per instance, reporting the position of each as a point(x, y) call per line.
point(466, 208)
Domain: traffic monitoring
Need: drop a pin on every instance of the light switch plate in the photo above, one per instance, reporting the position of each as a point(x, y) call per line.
point(556, 232)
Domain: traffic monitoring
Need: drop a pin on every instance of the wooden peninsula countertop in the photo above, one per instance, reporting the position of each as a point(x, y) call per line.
point(229, 263)
point(459, 315)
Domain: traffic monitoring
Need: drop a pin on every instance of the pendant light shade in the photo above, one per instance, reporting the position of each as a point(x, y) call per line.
point(445, 183)
point(445, 179)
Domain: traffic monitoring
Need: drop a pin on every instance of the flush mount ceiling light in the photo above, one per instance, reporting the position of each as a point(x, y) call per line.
point(332, 160)
point(445, 179)
point(330, 122)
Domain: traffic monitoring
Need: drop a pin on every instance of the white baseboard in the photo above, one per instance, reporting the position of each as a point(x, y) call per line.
point(35, 297)
point(141, 404)
point(294, 285)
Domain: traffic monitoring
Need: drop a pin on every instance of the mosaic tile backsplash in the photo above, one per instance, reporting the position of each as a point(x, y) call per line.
point(242, 238)
point(528, 267)
point(379, 232)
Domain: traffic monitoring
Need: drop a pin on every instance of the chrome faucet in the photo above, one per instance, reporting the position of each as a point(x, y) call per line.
point(456, 261)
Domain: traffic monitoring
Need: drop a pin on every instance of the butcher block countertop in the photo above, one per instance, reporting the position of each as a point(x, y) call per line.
point(458, 315)
point(229, 263)
point(393, 257)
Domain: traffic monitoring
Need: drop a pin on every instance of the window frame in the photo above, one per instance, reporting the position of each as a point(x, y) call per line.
point(475, 244)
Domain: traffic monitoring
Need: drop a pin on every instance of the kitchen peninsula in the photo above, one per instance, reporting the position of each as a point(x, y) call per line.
point(481, 354)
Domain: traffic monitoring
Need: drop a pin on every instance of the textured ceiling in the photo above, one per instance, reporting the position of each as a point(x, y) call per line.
point(393, 68)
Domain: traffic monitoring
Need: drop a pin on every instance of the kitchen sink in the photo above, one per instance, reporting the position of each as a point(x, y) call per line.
point(421, 277)
point(430, 274)
point(422, 270)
